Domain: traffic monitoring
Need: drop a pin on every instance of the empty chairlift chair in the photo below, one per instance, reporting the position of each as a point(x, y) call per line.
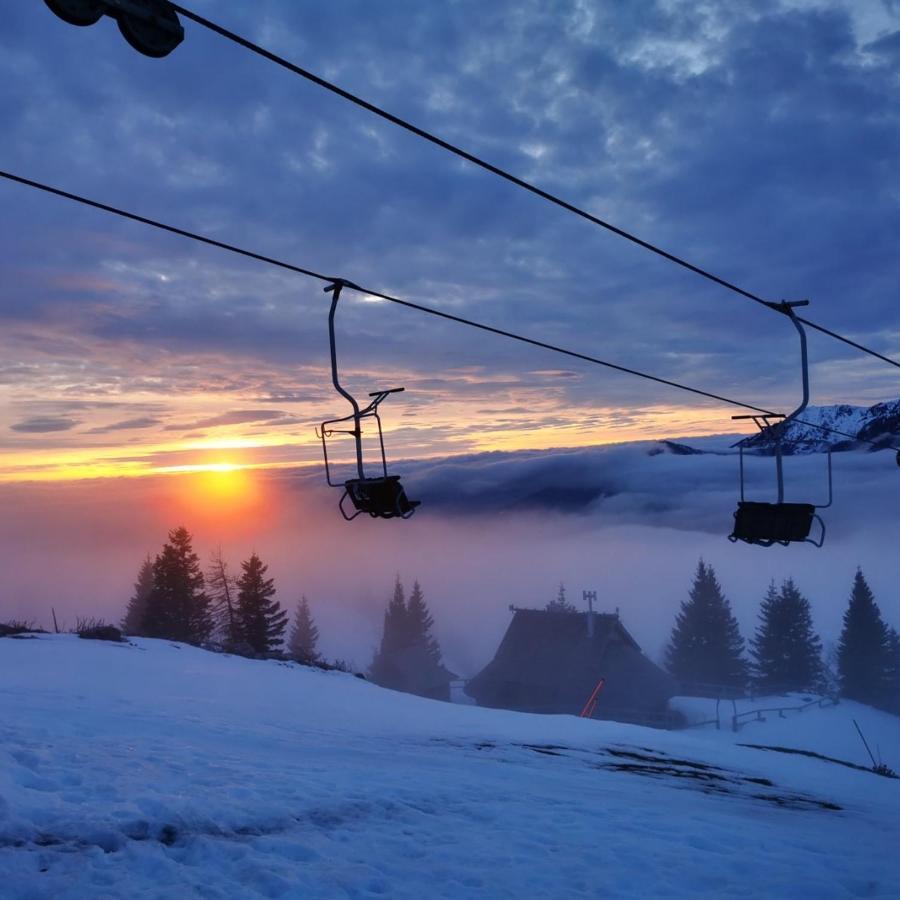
point(382, 496)
point(767, 524)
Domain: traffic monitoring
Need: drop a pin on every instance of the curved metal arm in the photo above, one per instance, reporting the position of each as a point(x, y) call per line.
point(787, 307)
point(335, 289)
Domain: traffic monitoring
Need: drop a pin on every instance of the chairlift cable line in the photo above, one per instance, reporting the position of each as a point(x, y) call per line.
point(222, 245)
point(349, 285)
point(508, 176)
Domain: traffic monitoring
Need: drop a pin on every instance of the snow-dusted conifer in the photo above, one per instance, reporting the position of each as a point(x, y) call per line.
point(705, 651)
point(786, 651)
point(863, 650)
point(133, 622)
point(384, 669)
point(304, 635)
point(261, 619)
point(177, 606)
point(222, 588)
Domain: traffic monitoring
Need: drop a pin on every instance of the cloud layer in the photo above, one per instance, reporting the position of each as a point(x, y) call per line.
point(760, 141)
point(629, 522)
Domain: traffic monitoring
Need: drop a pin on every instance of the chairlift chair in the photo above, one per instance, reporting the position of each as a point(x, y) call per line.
point(767, 524)
point(381, 496)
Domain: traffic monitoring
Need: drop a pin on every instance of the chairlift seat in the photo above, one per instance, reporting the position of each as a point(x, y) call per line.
point(381, 498)
point(772, 523)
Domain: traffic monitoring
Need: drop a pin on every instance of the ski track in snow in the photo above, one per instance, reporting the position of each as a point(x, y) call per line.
point(153, 770)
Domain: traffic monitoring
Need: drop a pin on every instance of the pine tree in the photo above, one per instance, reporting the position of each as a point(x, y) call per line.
point(385, 669)
point(787, 653)
point(706, 646)
point(560, 604)
point(304, 635)
point(863, 650)
point(177, 606)
point(133, 623)
point(261, 619)
point(419, 624)
point(222, 589)
point(409, 658)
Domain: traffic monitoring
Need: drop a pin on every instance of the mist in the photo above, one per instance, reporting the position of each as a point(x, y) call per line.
point(629, 521)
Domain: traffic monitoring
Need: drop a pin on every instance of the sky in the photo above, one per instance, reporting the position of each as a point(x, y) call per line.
point(140, 373)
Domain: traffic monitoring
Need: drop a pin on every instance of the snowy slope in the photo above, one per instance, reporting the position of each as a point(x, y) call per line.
point(827, 730)
point(160, 770)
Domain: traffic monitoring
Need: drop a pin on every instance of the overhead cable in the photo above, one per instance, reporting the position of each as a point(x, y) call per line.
point(508, 176)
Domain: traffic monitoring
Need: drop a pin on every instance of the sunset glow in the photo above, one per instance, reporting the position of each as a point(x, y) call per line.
point(445, 426)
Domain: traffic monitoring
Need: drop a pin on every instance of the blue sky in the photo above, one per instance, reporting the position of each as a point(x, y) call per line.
point(761, 141)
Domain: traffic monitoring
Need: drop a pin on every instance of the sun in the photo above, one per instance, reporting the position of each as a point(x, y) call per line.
point(219, 492)
point(226, 483)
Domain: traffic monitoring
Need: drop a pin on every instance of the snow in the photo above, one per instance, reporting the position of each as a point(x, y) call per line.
point(826, 729)
point(802, 436)
point(161, 770)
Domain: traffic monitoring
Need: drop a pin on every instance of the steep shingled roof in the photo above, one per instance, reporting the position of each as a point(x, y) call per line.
point(546, 662)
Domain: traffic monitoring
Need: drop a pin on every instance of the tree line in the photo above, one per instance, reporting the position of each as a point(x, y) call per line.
point(175, 599)
point(785, 653)
point(409, 656)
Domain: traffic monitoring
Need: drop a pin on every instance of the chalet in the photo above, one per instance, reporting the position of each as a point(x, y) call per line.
point(550, 661)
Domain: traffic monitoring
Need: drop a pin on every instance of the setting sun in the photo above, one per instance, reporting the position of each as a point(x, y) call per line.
point(220, 492)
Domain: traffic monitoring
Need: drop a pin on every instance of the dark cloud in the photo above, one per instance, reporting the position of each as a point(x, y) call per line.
point(659, 484)
point(234, 417)
point(126, 425)
point(44, 424)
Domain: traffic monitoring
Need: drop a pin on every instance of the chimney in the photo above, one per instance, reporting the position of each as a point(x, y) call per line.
point(589, 597)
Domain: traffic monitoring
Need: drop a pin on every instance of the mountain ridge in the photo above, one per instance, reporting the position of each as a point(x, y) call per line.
point(879, 424)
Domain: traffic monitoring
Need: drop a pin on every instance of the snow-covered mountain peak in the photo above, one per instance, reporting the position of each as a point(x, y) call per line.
point(839, 427)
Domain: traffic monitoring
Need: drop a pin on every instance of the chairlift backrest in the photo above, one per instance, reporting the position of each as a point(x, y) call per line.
point(773, 523)
point(382, 498)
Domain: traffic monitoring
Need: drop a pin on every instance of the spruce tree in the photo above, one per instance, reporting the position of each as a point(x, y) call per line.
point(427, 674)
point(133, 623)
point(409, 658)
point(560, 604)
point(385, 669)
point(261, 619)
point(863, 650)
point(304, 635)
point(222, 589)
point(786, 651)
point(177, 606)
point(706, 647)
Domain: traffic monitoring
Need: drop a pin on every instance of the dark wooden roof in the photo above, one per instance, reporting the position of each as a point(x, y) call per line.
point(547, 662)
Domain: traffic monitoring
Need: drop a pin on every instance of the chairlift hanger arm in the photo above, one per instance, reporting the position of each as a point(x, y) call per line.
point(762, 421)
point(335, 289)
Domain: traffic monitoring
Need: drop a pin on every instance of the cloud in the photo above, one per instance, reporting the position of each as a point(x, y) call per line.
point(235, 417)
point(126, 425)
point(44, 424)
point(642, 117)
point(504, 539)
point(654, 484)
